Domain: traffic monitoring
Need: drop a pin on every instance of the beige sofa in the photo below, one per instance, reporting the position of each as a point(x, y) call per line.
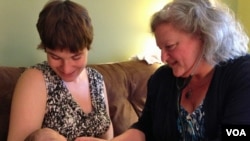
point(126, 88)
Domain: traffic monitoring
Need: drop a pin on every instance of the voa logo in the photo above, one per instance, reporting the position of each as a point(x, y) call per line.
point(236, 132)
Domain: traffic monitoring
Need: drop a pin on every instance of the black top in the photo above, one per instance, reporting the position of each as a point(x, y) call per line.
point(227, 101)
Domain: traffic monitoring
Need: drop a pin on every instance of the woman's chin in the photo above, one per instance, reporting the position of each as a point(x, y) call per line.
point(177, 73)
point(68, 78)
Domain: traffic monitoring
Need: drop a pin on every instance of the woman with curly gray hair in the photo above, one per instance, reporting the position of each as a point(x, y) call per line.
point(204, 85)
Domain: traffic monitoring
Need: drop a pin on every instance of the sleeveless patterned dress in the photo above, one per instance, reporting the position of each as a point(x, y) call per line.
point(64, 115)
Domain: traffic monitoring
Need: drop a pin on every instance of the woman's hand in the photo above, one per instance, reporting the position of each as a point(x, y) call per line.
point(89, 139)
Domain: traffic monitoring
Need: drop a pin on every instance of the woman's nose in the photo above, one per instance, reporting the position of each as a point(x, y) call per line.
point(66, 67)
point(164, 56)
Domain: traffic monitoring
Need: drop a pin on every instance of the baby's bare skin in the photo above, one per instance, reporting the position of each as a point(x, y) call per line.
point(45, 134)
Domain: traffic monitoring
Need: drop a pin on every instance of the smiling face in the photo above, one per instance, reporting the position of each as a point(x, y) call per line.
point(180, 50)
point(67, 65)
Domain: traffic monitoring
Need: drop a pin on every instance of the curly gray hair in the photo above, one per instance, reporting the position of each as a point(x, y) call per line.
point(223, 35)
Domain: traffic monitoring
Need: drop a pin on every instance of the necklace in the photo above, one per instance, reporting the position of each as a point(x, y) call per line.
point(188, 94)
point(202, 85)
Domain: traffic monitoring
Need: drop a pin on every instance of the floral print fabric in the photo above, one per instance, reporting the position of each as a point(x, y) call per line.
point(192, 124)
point(64, 115)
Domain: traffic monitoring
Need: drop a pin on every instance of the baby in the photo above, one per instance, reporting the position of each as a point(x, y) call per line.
point(45, 134)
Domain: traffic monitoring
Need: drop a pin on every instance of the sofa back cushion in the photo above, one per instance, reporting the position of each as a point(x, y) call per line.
point(8, 78)
point(126, 84)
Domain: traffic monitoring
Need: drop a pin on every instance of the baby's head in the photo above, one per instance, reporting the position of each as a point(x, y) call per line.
point(45, 134)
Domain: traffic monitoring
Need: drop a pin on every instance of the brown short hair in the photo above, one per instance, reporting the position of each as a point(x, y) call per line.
point(63, 24)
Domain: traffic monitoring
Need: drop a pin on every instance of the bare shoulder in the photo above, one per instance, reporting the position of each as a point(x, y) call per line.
point(31, 81)
point(31, 74)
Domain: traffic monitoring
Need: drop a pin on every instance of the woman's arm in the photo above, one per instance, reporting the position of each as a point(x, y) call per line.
point(28, 105)
point(110, 133)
